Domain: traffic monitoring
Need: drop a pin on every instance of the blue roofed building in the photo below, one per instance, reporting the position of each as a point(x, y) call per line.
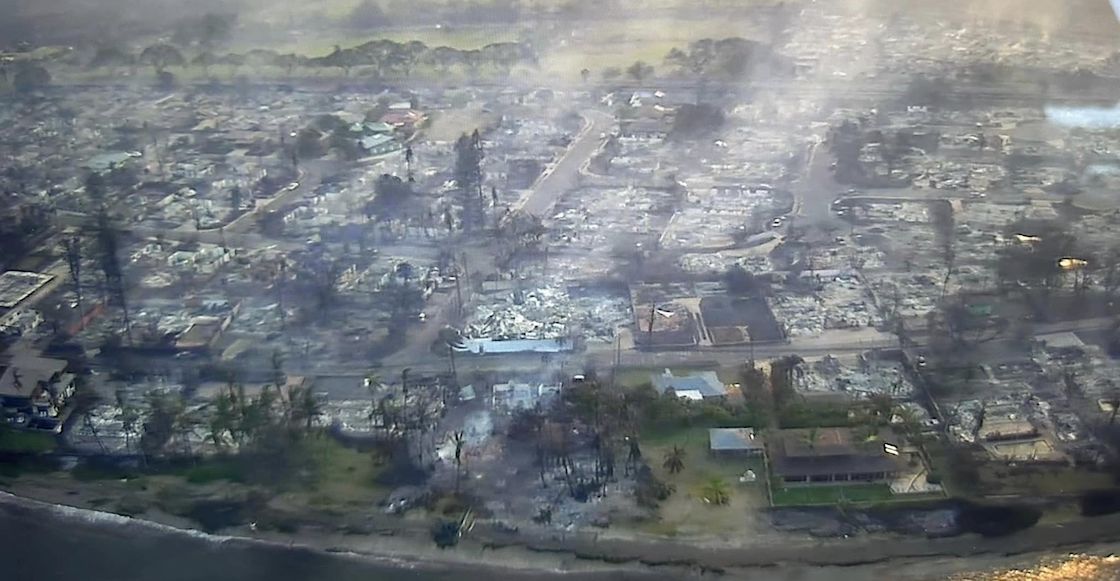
point(695, 386)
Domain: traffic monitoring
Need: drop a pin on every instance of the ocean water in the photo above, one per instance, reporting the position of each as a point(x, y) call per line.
point(46, 542)
point(50, 543)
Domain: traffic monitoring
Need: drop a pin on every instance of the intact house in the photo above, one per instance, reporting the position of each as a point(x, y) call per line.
point(34, 392)
point(734, 442)
point(379, 144)
point(405, 120)
point(826, 455)
point(696, 386)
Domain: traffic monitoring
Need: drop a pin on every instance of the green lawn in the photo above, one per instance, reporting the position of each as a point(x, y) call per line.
point(808, 495)
point(24, 442)
point(813, 415)
point(684, 512)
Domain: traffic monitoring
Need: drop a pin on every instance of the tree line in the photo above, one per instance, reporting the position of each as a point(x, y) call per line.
point(378, 58)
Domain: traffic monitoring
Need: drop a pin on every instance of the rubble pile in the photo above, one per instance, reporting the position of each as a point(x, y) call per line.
point(549, 312)
point(871, 377)
point(839, 301)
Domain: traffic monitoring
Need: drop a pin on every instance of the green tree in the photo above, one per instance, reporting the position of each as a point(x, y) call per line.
point(343, 59)
point(288, 62)
point(303, 408)
point(309, 144)
point(108, 55)
point(223, 420)
point(716, 491)
point(162, 55)
point(811, 437)
point(165, 411)
point(639, 71)
point(205, 60)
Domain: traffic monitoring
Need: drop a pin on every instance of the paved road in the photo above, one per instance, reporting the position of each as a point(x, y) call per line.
point(230, 239)
point(835, 343)
point(815, 191)
point(343, 381)
point(310, 176)
point(564, 175)
point(443, 310)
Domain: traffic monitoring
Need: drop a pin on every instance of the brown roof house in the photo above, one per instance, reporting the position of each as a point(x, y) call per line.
point(824, 455)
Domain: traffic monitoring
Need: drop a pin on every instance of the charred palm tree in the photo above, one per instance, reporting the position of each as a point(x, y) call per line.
point(458, 439)
point(674, 460)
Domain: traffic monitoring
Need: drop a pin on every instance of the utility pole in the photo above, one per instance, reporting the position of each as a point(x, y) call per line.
point(458, 295)
point(617, 360)
point(451, 356)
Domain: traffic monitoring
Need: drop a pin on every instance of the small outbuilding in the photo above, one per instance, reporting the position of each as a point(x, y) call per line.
point(734, 442)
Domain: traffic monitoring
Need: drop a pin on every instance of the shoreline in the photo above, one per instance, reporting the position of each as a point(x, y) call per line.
point(586, 555)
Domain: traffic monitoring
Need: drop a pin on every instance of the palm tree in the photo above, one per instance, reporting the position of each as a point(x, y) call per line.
point(129, 416)
point(674, 460)
point(303, 407)
point(882, 407)
point(223, 420)
point(184, 425)
point(811, 438)
point(634, 453)
point(909, 424)
point(716, 491)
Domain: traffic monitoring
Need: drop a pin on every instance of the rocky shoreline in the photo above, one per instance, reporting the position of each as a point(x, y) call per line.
point(509, 555)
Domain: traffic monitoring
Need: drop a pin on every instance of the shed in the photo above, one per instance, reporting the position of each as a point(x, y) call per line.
point(734, 442)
